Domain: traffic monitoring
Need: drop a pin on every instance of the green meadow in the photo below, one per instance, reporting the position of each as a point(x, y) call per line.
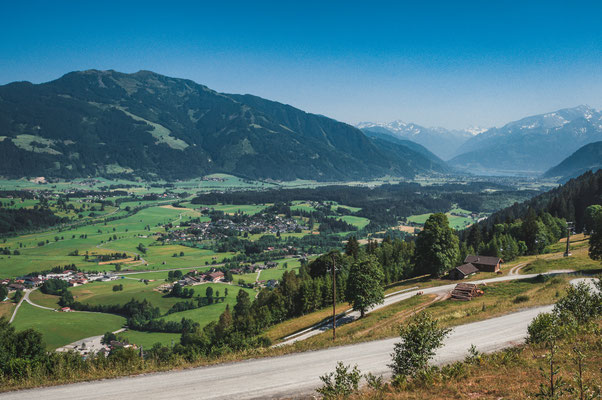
point(62, 328)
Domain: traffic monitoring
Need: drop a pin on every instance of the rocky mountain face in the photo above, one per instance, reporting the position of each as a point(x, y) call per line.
point(531, 145)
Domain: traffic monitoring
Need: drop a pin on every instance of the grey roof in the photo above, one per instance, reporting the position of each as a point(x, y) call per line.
point(467, 269)
point(484, 260)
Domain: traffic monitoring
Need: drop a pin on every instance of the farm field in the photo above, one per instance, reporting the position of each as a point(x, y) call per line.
point(359, 222)
point(98, 293)
point(61, 328)
point(207, 314)
point(250, 209)
point(276, 273)
point(455, 221)
point(6, 308)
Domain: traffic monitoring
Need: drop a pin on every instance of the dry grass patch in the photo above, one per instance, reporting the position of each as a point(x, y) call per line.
point(514, 373)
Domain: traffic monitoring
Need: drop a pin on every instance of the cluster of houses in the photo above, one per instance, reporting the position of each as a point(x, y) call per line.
point(222, 228)
point(474, 264)
point(250, 268)
point(196, 279)
point(73, 277)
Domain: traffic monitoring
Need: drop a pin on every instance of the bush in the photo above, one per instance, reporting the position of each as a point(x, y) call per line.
point(341, 383)
point(579, 303)
point(419, 340)
point(520, 299)
point(543, 328)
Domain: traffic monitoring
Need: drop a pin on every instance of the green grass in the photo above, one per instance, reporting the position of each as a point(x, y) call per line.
point(98, 293)
point(148, 339)
point(207, 314)
point(455, 222)
point(250, 209)
point(359, 222)
point(302, 205)
point(61, 328)
point(276, 273)
point(45, 300)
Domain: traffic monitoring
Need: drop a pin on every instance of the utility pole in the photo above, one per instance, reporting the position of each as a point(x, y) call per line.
point(567, 252)
point(334, 300)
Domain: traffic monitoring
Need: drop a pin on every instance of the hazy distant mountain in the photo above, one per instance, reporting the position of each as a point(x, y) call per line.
point(385, 139)
point(588, 157)
point(442, 142)
point(531, 145)
point(144, 124)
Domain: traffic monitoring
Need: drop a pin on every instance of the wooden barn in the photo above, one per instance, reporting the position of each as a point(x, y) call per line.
point(484, 263)
point(463, 271)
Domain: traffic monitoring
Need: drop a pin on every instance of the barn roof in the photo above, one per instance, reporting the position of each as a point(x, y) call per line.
point(467, 269)
point(483, 260)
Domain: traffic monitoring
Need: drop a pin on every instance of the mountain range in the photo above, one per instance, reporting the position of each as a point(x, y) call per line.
point(531, 145)
point(588, 157)
point(442, 142)
point(147, 125)
point(107, 123)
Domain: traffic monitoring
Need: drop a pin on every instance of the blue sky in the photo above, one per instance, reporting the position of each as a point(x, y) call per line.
point(450, 63)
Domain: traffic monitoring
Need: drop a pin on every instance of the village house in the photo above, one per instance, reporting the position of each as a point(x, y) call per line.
point(484, 263)
point(15, 286)
point(216, 276)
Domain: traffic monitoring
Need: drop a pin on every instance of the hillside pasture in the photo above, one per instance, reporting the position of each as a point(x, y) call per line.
point(61, 328)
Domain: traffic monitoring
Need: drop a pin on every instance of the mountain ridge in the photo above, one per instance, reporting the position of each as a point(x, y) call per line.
point(532, 144)
point(442, 142)
point(108, 123)
point(586, 158)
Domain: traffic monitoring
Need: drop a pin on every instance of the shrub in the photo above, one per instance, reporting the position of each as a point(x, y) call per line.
point(419, 340)
point(341, 383)
point(543, 328)
point(520, 299)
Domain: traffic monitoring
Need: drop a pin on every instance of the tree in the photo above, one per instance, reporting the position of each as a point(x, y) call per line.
point(436, 247)
point(352, 248)
point(18, 296)
point(3, 292)
point(107, 338)
point(209, 294)
point(341, 383)
point(592, 213)
point(364, 285)
point(594, 226)
point(66, 299)
point(419, 341)
point(176, 291)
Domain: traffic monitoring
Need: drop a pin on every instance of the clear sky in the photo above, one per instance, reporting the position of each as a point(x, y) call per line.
point(450, 63)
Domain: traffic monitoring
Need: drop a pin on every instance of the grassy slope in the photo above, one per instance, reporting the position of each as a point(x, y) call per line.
point(205, 315)
point(6, 308)
point(515, 373)
point(60, 328)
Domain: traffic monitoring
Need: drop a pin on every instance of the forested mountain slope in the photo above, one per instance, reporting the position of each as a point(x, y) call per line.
point(106, 123)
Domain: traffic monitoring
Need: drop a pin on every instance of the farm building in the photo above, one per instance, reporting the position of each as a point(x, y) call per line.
point(463, 271)
point(484, 263)
point(216, 276)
